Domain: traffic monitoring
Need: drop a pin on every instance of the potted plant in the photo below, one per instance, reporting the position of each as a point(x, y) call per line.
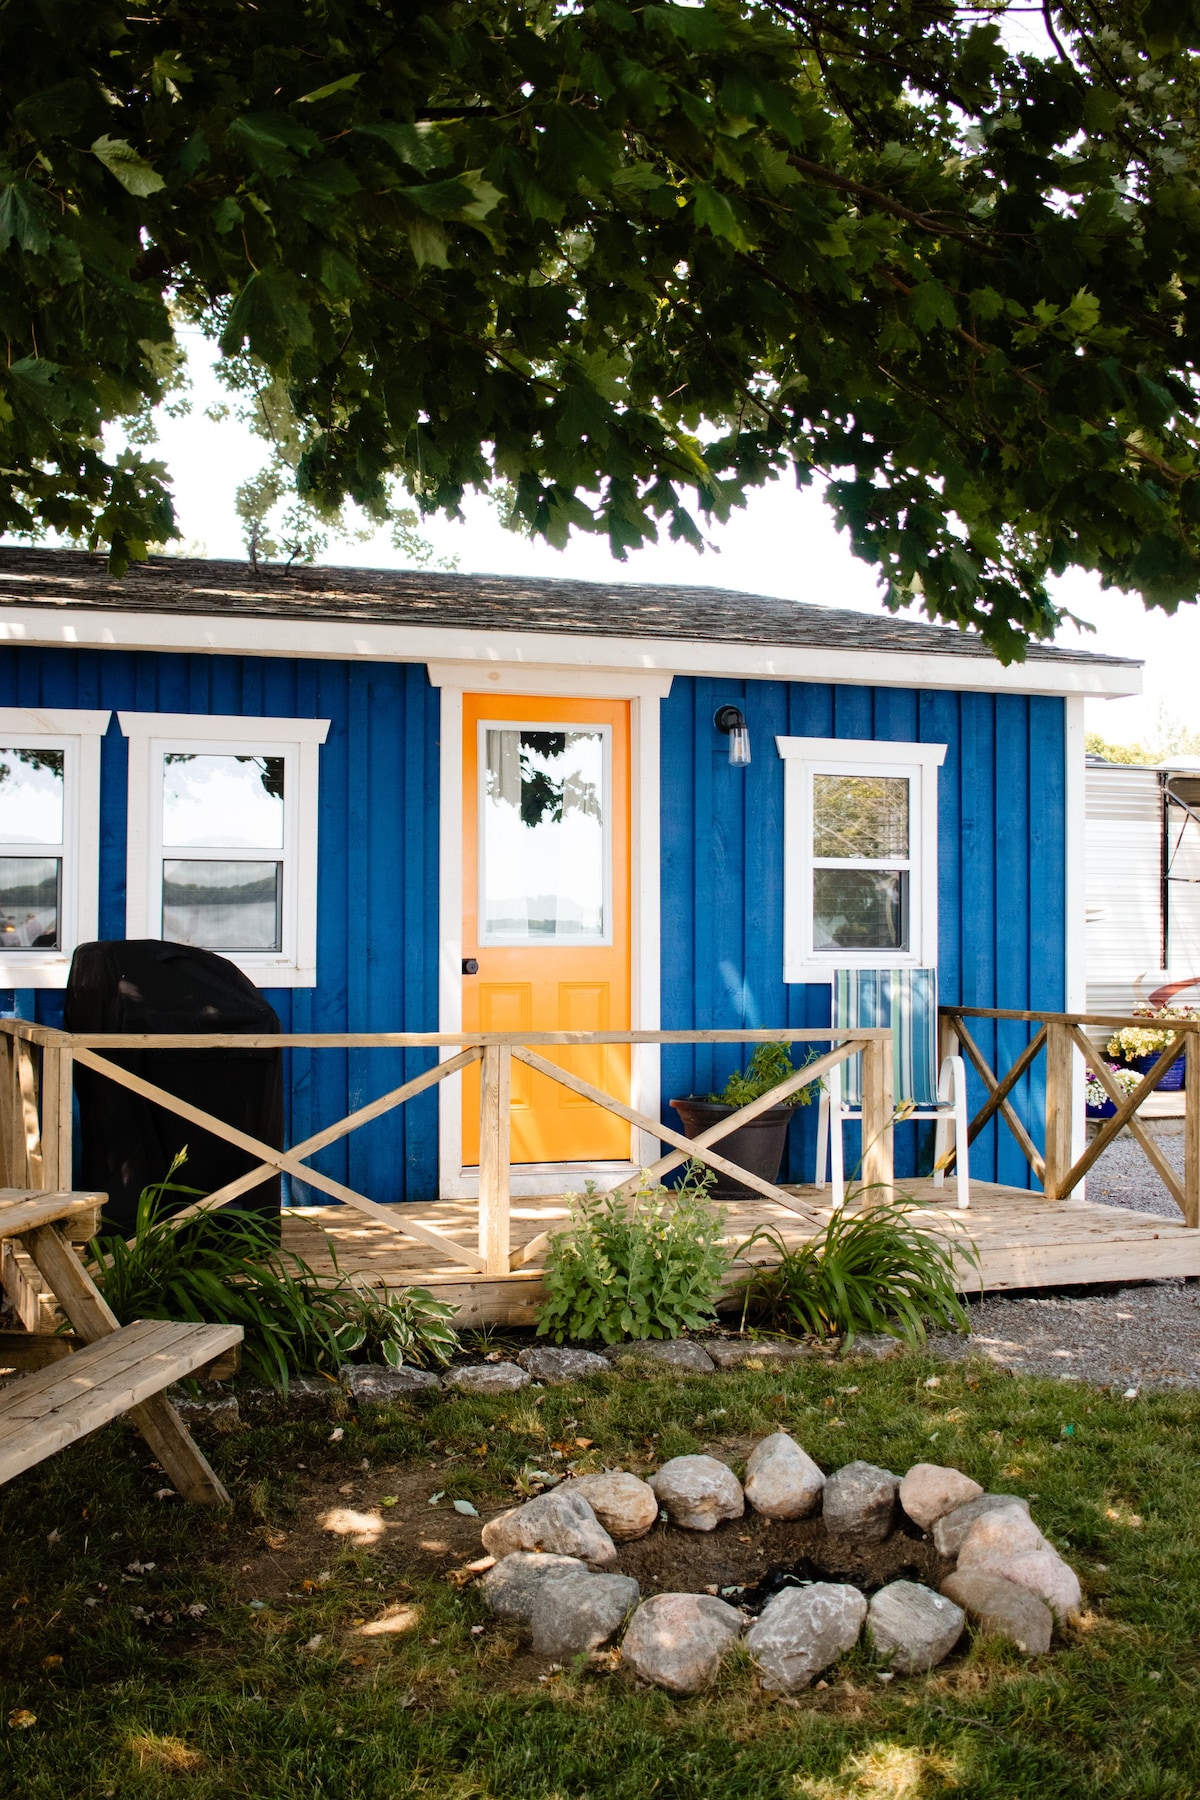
point(758, 1145)
point(1138, 1047)
point(1099, 1106)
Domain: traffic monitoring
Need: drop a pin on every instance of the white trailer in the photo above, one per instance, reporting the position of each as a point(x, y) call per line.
point(1143, 883)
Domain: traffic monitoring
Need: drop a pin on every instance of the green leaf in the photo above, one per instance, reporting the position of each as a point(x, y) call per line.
point(423, 146)
point(931, 305)
point(21, 218)
point(331, 87)
point(134, 173)
point(716, 214)
point(269, 316)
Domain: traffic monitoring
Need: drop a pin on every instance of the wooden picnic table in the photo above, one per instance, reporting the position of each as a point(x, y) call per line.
point(121, 1369)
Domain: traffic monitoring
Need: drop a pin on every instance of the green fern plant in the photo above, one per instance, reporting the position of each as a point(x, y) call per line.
point(647, 1268)
point(871, 1271)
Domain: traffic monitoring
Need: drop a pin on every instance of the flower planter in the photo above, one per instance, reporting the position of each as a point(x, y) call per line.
point(1171, 1082)
point(758, 1146)
point(1106, 1110)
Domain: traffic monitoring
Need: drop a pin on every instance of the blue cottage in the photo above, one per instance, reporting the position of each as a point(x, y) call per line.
point(432, 802)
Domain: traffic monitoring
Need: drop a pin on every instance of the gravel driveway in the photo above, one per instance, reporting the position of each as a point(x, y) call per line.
point(1144, 1336)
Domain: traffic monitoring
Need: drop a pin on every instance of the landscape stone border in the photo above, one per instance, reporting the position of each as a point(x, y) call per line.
point(557, 1569)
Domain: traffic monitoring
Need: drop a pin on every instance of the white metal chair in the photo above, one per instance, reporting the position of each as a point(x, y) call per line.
point(906, 1001)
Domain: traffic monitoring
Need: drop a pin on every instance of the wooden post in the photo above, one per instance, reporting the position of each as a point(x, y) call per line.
point(29, 1137)
point(877, 1108)
point(1191, 1130)
point(56, 1119)
point(495, 1088)
point(1060, 1055)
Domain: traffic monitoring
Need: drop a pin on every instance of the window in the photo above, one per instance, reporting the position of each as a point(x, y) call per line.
point(222, 849)
point(544, 835)
point(860, 855)
point(49, 841)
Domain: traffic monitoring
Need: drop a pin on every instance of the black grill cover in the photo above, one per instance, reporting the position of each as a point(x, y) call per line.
point(127, 1143)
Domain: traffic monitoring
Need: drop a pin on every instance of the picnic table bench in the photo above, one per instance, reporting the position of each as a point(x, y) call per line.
point(121, 1369)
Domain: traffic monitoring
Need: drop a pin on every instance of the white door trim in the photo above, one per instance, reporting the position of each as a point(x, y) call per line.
point(645, 692)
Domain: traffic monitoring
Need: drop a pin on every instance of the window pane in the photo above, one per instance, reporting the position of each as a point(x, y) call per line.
point(219, 802)
point(31, 796)
point(29, 903)
point(860, 909)
point(223, 905)
point(543, 877)
point(860, 815)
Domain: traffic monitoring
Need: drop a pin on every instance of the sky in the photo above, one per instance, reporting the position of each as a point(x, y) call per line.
point(783, 543)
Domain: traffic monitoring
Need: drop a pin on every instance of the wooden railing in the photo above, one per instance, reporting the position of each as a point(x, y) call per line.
point(36, 1073)
point(1061, 1037)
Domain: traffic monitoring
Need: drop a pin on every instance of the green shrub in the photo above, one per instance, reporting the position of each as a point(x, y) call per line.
point(871, 1271)
point(224, 1268)
point(770, 1064)
point(647, 1268)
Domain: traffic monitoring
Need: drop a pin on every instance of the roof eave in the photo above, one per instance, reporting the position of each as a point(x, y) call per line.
point(62, 626)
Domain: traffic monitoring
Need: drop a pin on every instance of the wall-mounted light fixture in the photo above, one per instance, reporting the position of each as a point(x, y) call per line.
point(732, 721)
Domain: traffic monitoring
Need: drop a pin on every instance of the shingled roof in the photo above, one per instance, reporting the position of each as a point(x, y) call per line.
point(184, 585)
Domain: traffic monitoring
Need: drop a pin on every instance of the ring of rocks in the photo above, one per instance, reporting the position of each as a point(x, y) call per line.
point(557, 1569)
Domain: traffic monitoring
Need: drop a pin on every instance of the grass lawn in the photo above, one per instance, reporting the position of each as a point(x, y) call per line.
point(235, 1656)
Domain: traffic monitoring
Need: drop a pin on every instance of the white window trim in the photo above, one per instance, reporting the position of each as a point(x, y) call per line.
point(78, 735)
point(804, 757)
point(298, 741)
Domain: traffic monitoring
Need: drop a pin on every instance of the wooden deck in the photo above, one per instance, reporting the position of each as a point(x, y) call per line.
point(1023, 1241)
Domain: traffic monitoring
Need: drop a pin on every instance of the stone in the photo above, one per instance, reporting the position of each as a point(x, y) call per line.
point(513, 1586)
point(625, 1505)
point(378, 1384)
point(928, 1492)
point(488, 1378)
point(1001, 1608)
point(950, 1530)
point(698, 1492)
point(1002, 1532)
point(578, 1612)
point(859, 1501)
point(735, 1353)
point(220, 1413)
point(802, 1630)
point(556, 1367)
point(677, 1641)
point(782, 1480)
point(1043, 1572)
point(679, 1353)
point(912, 1628)
point(874, 1346)
point(560, 1522)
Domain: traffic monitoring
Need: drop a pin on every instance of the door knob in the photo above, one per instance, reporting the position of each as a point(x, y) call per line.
point(470, 966)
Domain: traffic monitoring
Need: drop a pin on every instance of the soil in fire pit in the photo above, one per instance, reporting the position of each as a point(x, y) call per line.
point(748, 1560)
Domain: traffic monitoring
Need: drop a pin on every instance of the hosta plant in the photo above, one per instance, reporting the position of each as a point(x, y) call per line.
point(650, 1267)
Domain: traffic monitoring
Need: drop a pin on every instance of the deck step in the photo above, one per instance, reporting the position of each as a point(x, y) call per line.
point(43, 1413)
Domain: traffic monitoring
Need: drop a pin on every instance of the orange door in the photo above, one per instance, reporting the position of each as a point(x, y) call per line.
point(546, 908)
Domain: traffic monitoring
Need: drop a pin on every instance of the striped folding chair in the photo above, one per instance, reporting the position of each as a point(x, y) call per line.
point(905, 1000)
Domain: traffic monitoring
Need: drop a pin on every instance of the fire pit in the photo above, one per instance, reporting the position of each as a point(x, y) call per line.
point(795, 1562)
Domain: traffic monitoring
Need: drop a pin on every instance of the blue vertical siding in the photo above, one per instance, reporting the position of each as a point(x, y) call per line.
point(1001, 807)
point(1001, 861)
point(377, 915)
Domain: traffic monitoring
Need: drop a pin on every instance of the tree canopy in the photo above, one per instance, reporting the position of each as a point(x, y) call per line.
point(626, 261)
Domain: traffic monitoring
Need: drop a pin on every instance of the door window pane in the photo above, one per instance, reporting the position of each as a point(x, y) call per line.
point(29, 902)
point(543, 877)
point(860, 816)
point(223, 905)
point(31, 796)
point(860, 909)
point(222, 802)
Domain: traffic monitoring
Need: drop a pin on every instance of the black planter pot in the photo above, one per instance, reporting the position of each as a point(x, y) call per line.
point(757, 1146)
